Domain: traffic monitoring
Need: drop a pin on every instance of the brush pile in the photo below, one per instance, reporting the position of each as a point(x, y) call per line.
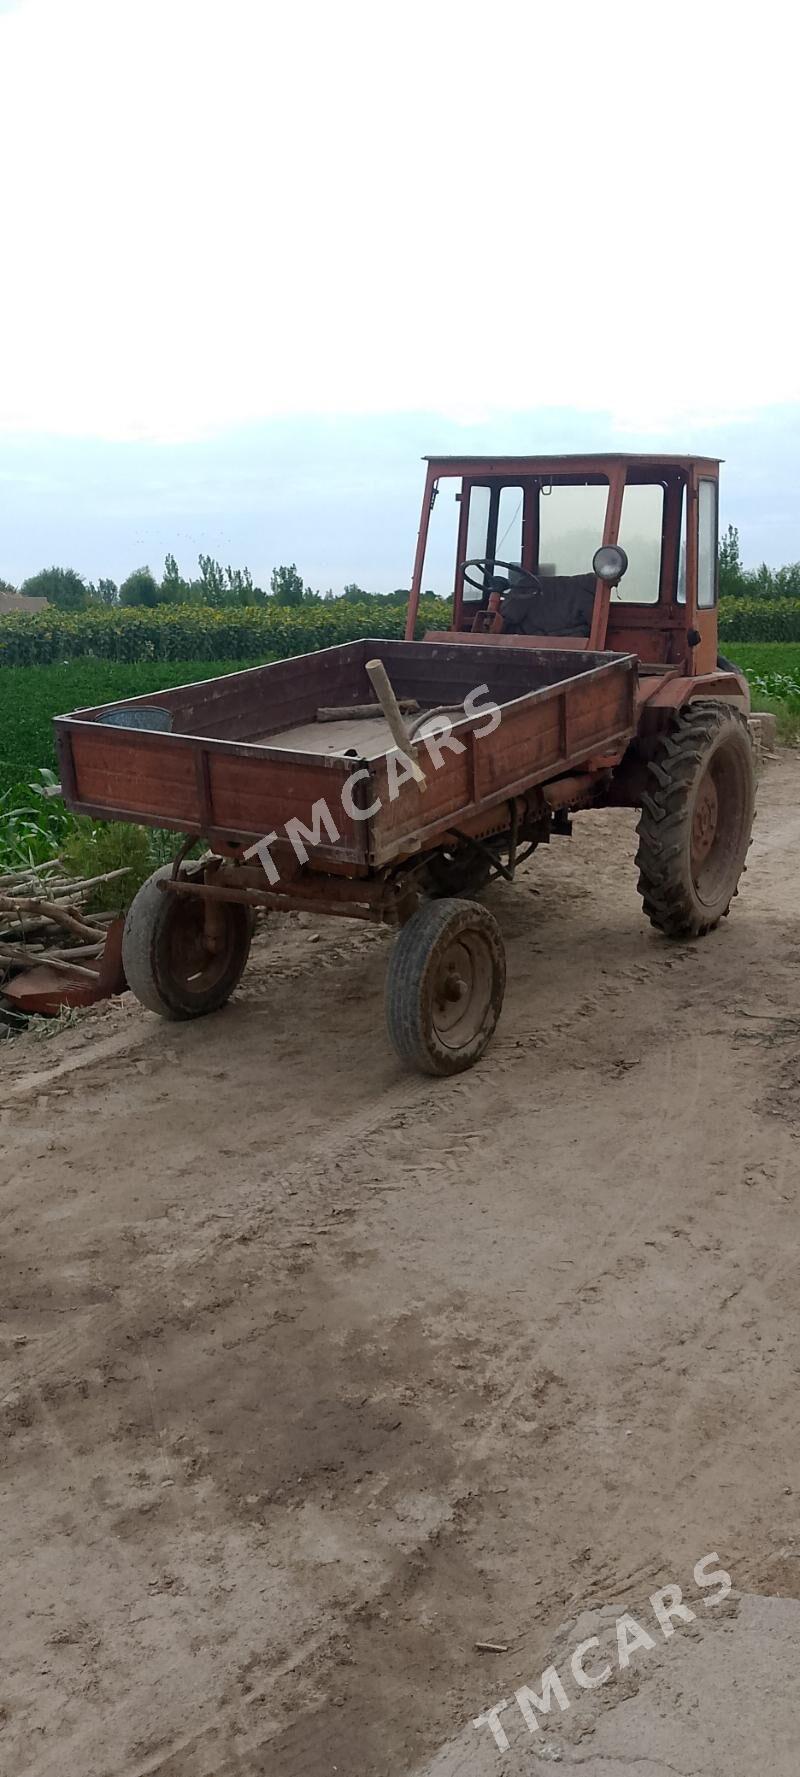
point(44, 919)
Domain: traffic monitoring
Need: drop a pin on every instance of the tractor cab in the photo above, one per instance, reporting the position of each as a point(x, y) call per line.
point(613, 553)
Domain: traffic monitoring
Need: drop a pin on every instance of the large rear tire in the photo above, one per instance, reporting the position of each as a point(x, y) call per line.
point(696, 820)
point(166, 957)
point(445, 986)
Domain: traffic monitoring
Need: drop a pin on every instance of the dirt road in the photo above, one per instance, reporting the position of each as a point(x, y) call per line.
point(315, 1373)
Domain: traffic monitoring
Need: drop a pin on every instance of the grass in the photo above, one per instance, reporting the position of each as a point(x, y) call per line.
point(765, 657)
point(30, 696)
point(33, 831)
point(773, 669)
point(34, 827)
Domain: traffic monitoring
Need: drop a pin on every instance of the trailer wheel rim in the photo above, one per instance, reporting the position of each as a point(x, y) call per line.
point(186, 957)
point(719, 822)
point(462, 991)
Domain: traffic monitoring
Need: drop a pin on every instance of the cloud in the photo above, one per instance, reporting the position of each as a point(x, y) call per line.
point(340, 497)
point(226, 214)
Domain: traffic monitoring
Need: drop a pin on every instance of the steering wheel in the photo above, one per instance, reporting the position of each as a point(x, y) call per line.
point(529, 582)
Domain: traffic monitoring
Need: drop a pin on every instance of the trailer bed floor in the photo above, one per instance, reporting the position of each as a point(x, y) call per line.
point(368, 737)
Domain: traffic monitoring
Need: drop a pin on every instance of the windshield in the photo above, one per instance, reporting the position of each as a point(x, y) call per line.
point(494, 531)
point(571, 520)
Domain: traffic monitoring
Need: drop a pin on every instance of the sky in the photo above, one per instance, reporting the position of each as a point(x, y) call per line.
point(258, 258)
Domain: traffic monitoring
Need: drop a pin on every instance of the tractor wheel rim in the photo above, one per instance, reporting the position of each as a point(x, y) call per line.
point(718, 839)
point(704, 820)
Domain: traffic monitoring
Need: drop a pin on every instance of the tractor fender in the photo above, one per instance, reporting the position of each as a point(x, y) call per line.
point(673, 694)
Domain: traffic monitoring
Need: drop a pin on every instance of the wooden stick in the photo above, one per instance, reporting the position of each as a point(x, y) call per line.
point(11, 928)
point(86, 882)
point(381, 684)
point(358, 712)
point(50, 910)
point(59, 887)
point(66, 956)
point(34, 874)
point(24, 959)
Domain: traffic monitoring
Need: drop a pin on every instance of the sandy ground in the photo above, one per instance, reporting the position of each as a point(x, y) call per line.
point(315, 1373)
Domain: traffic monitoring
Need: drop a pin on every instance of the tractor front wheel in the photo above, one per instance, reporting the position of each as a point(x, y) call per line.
point(696, 819)
point(171, 961)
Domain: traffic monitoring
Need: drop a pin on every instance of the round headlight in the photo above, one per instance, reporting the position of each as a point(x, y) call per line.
point(610, 562)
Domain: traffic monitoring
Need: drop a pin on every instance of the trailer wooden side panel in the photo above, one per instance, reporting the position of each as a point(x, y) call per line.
point(127, 775)
point(222, 771)
point(538, 737)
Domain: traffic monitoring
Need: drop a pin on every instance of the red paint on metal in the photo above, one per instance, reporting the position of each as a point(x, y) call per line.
point(46, 989)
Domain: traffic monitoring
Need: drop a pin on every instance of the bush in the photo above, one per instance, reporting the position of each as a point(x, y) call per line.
point(200, 632)
point(142, 588)
point(759, 620)
point(94, 847)
point(31, 829)
point(62, 587)
point(252, 632)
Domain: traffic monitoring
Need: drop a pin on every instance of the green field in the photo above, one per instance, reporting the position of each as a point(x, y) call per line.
point(30, 696)
point(766, 657)
point(32, 828)
point(773, 669)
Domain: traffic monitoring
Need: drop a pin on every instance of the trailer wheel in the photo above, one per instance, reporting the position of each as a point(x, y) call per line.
point(166, 957)
point(696, 820)
point(445, 986)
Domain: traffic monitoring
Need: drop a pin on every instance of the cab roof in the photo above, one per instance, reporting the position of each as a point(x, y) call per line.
point(579, 461)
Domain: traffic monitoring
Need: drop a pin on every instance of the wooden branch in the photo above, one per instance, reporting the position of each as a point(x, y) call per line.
point(11, 928)
point(86, 882)
point(36, 873)
point(25, 959)
point(50, 910)
point(362, 712)
point(66, 956)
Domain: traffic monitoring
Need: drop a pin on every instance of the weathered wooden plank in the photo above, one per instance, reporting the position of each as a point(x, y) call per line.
point(249, 798)
point(114, 771)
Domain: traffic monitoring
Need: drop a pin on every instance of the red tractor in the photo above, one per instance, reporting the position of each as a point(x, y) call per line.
point(585, 607)
point(616, 554)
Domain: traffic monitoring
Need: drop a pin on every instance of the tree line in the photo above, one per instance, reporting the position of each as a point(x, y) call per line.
point(220, 586)
point(213, 585)
point(735, 581)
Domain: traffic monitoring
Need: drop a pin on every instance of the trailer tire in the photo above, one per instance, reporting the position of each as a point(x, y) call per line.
point(445, 986)
point(167, 964)
point(696, 820)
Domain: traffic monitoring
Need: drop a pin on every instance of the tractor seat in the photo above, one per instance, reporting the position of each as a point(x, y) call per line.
point(562, 608)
